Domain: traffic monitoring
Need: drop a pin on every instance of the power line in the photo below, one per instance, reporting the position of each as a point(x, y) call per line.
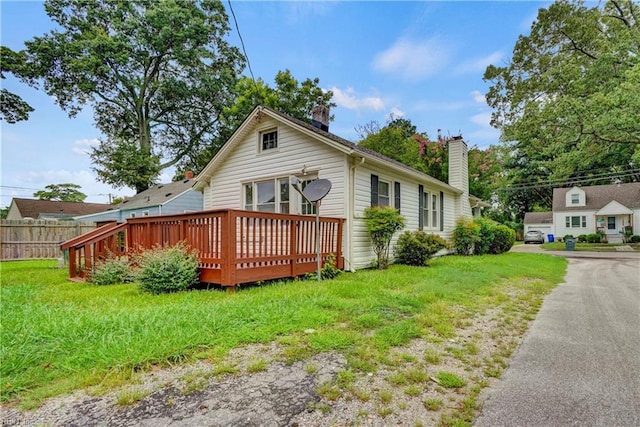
point(233, 14)
point(570, 181)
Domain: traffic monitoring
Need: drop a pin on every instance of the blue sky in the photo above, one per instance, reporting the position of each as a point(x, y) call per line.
point(420, 60)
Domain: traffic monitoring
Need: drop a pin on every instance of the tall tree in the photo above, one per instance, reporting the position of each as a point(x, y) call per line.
point(288, 95)
point(13, 108)
point(157, 74)
point(61, 192)
point(568, 103)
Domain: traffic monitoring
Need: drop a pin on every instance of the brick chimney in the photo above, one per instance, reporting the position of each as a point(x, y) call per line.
point(459, 174)
point(320, 115)
point(188, 175)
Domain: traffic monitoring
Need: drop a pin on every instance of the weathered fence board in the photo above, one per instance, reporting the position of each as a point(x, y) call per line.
point(31, 239)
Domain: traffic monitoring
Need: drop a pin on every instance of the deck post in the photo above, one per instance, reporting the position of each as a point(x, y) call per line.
point(339, 261)
point(293, 246)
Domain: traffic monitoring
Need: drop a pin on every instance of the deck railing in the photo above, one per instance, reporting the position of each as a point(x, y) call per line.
point(234, 246)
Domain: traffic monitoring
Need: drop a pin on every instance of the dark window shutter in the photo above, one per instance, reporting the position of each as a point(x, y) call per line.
point(374, 190)
point(396, 195)
point(420, 206)
point(441, 211)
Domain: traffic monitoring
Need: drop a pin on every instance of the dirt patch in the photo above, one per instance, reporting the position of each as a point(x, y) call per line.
point(404, 390)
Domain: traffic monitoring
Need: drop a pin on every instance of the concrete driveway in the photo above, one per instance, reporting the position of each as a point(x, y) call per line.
point(579, 364)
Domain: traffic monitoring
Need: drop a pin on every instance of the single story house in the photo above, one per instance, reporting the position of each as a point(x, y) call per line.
point(610, 209)
point(50, 209)
point(255, 168)
point(162, 199)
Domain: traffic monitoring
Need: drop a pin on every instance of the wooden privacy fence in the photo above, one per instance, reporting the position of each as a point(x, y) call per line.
point(234, 246)
point(32, 239)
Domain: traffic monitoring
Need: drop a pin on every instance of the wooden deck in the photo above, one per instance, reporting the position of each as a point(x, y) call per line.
point(234, 246)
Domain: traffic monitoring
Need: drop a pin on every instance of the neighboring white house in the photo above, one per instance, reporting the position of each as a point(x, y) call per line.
point(161, 199)
point(606, 208)
point(253, 171)
point(610, 209)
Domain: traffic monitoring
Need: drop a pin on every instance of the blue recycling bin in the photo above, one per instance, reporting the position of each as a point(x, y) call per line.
point(550, 238)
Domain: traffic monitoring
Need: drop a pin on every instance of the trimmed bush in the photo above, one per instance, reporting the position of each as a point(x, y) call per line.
point(567, 236)
point(111, 271)
point(486, 228)
point(634, 239)
point(503, 239)
point(382, 223)
point(594, 238)
point(465, 236)
point(582, 238)
point(418, 247)
point(168, 269)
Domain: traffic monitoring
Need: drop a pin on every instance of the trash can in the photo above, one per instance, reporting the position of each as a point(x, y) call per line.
point(569, 244)
point(550, 238)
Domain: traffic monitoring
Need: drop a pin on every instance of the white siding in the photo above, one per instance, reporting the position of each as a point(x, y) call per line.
point(561, 230)
point(295, 151)
point(409, 205)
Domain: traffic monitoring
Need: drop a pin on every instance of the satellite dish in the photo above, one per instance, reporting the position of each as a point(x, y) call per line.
point(316, 190)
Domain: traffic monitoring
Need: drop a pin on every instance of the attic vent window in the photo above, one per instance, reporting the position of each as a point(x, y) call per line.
point(269, 140)
point(160, 186)
point(168, 194)
point(185, 181)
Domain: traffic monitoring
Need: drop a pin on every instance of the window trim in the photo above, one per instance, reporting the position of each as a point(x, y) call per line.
point(375, 191)
point(262, 133)
point(250, 188)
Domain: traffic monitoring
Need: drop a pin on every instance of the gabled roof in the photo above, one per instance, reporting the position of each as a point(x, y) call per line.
point(538, 218)
point(34, 208)
point(157, 195)
point(335, 141)
point(598, 196)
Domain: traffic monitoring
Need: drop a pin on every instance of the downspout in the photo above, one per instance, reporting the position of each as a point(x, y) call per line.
point(352, 208)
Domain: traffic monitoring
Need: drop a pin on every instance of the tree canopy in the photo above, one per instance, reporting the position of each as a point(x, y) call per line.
point(568, 102)
point(289, 96)
point(61, 192)
point(400, 140)
point(157, 74)
point(13, 108)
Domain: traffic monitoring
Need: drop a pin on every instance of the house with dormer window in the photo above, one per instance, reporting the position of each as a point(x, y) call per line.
point(613, 210)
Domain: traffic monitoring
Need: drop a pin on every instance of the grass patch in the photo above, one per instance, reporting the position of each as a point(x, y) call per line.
point(58, 336)
point(450, 380)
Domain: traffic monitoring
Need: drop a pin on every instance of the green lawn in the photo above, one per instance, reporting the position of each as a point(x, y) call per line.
point(592, 247)
point(58, 336)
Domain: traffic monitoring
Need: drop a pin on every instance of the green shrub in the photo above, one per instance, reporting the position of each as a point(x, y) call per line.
point(418, 247)
point(582, 238)
point(382, 223)
point(486, 228)
point(168, 269)
point(111, 271)
point(329, 269)
point(634, 239)
point(594, 238)
point(567, 236)
point(465, 236)
point(503, 239)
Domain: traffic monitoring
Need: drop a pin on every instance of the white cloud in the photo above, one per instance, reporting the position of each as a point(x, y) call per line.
point(349, 99)
point(478, 65)
point(413, 60)
point(479, 97)
point(396, 112)
point(485, 134)
point(82, 146)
